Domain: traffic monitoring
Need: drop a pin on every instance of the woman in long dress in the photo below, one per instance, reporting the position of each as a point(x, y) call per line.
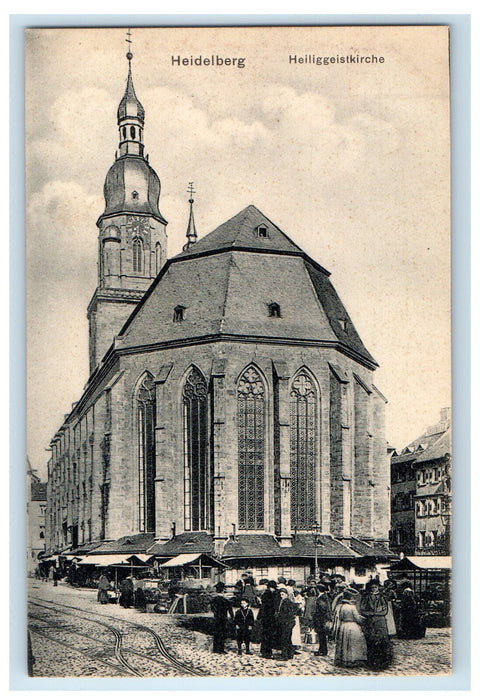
point(390, 596)
point(336, 602)
point(103, 587)
point(350, 647)
point(299, 601)
point(374, 608)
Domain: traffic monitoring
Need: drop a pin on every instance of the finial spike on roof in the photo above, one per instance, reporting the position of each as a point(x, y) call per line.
point(191, 228)
point(129, 41)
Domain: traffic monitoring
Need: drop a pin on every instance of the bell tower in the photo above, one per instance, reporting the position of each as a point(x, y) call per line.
point(132, 238)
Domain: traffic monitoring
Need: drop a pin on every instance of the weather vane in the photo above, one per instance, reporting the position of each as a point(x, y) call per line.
point(129, 41)
point(190, 191)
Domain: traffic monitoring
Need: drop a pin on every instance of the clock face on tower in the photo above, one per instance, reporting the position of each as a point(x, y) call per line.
point(137, 225)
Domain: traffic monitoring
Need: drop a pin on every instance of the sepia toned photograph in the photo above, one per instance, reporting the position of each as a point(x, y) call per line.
point(239, 428)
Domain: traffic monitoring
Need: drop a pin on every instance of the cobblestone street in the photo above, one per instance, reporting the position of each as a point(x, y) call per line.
point(109, 641)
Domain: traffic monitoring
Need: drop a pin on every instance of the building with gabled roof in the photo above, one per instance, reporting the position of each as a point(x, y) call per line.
point(421, 492)
point(230, 400)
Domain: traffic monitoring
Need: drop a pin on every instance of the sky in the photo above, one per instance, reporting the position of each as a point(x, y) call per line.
point(350, 160)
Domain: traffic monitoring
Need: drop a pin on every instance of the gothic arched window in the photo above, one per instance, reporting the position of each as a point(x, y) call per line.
point(251, 450)
point(137, 249)
point(198, 483)
point(158, 257)
point(146, 454)
point(303, 451)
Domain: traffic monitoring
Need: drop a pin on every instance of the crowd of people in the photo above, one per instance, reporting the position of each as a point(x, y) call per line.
point(359, 621)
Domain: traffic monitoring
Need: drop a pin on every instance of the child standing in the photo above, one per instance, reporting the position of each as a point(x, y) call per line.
point(244, 621)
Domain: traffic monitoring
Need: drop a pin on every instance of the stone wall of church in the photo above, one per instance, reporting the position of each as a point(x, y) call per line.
point(351, 448)
point(351, 460)
point(381, 471)
point(106, 317)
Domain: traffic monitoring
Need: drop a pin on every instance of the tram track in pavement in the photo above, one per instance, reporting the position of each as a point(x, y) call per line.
point(72, 647)
point(167, 658)
point(118, 650)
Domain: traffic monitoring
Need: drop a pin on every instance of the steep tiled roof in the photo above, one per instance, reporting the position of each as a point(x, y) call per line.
point(183, 544)
point(367, 549)
point(409, 457)
point(437, 449)
point(252, 546)
point(128, 543)
point(336, 311)
point(263, 546)
point(233, 263)
point(241, 231)
point(86, 548)
point(424, 441)
point(429, 446)
point(327, 546)
point(303, 545)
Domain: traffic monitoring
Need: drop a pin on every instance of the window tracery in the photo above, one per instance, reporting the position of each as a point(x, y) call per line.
point(198, 483)
point(146, 454)
point(303, 451)
point(251, 450)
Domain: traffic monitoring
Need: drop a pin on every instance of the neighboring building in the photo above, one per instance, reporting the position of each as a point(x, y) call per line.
point(36, 516)
point(232, 403)
point(403, 489)
point(421, 492)
point(433, 499)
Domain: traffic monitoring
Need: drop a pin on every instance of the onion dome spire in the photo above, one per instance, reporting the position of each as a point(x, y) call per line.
point(132, 186)
point(191, 228)
point(130, 115)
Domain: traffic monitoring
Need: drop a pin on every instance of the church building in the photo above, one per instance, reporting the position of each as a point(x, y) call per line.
point(230, 407)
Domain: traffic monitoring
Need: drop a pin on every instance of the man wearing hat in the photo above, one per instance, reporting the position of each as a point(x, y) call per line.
point(221, 609)
point(285, 617)
point(266, 615)
point(322, 619)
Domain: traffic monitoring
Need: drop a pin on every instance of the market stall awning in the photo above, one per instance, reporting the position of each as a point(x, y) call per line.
point(142, 557)
point(49, 560)
point(183, 559)
point(422, 563)
point(111, 559)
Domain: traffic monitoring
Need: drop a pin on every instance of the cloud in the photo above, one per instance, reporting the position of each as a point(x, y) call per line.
point(68, 142)
point(61, 241)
